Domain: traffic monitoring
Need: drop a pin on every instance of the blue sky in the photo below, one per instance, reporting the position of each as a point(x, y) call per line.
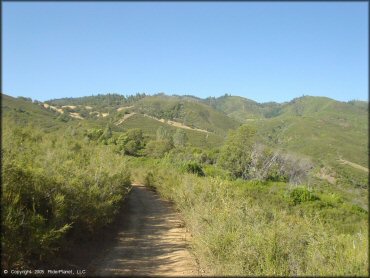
point(263, 51)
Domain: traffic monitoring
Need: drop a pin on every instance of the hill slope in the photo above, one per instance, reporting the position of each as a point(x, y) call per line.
point(63, 114)
point(327, 130)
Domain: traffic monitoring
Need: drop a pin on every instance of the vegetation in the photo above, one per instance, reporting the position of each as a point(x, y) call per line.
point(131, 142)
point(56, 189)
point(263, 228)
point(271, 196)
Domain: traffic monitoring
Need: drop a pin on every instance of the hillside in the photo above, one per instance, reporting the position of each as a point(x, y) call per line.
point(187, 111)
point(322, 128)
point(23, 111)
point(150, 126)
point(243, 109)
point(329, 132)
point(82, 114)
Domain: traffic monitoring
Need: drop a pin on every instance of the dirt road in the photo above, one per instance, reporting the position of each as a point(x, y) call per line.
point(152, 240)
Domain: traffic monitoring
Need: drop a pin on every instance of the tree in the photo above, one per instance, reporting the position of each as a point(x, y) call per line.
point(64, 117)
point(131, 142)
point(94, 133)
point(163, 143)
point(180, 138)
point(107, 134)
point(157, 149)
point(236, 153)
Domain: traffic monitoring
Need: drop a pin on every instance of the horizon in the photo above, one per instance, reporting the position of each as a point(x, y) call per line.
point(187, 95)
point(265, 52)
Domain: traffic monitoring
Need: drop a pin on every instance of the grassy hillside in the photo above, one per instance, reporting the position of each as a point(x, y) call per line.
point(319, 127)
point(150, 126)
point(21, 111)
point(187, 111)
point(26, 112)
point(322, 128)
point(243, 109)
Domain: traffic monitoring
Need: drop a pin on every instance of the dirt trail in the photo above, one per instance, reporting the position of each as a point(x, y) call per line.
point(176, 124)
point(125, 117)
point(354, 165)
point(151, 240)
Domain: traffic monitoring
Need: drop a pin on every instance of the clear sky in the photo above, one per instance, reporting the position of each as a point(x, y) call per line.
point(263, 51)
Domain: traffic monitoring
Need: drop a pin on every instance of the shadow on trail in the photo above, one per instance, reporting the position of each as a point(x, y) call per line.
point(149, 240)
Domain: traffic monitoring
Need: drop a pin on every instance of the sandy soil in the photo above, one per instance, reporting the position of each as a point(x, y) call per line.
point(176, 124)
point(69, 106)
point(53, 108)
point(125, 117)
point(151, 241)
point(76, 115)
point(124, 107)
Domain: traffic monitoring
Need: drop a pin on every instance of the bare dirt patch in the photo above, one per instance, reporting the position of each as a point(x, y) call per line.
point(124, 107)
point(125, 117)
point(76, 115)
point(69, 106)
point(176, 124)
point(327, 175)
point(152, 240)
point(53, 108)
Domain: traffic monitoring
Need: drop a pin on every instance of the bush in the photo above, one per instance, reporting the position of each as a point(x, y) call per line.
point(158, 148)
point(34, 215)
point(180, 138)
point(236, 153)
point(302, 194)
point(149, 180)
point(131, 142)
point(194, 168)
point(55, 188)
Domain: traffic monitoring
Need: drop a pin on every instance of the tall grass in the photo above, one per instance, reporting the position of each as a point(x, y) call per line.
point(238, 230)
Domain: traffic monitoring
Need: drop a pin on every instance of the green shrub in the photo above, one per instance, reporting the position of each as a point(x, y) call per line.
point(236, 153)
point(149, 180)
point(131, 142)
point(55, 188)
point(302, 194)
point(33, 215)
point(194, 168)
point(158, 148)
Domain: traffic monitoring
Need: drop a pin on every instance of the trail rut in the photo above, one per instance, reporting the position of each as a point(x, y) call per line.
point(151, 241)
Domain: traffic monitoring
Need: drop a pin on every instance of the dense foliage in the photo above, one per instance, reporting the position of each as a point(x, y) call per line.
point(55, 187)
